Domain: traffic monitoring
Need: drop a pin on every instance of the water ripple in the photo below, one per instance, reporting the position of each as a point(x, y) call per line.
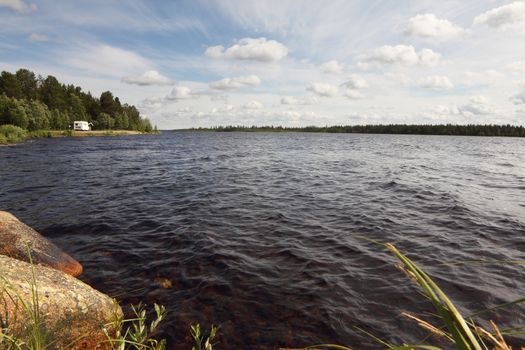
point(264, 234)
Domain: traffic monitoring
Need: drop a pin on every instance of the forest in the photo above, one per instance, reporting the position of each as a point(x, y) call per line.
point(36, 103)
point(423, 129)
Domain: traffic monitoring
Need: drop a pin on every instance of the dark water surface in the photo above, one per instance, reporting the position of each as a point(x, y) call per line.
point(261, 233)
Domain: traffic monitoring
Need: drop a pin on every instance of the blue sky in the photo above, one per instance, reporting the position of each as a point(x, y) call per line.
point(204, 63)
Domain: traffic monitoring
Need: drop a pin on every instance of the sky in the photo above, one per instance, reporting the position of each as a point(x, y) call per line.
point(206, 63)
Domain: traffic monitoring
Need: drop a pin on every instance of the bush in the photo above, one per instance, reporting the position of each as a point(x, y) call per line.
point(11, 134)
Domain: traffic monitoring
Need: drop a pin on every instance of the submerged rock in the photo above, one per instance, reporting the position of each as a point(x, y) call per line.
point(73, 313)
point(16, 238)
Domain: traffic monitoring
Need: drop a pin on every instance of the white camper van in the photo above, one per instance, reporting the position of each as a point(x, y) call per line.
point(81, 126)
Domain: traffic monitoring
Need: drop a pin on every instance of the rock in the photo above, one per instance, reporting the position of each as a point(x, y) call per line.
point(16, 238)
point(70, 309)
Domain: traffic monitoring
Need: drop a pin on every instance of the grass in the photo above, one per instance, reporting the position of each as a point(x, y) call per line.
point(201, 341)
point(461, 332)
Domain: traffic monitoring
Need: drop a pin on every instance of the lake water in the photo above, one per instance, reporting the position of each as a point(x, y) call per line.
point(264, 233)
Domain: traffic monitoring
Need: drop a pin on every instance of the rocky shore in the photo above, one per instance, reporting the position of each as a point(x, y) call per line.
point(38, 288)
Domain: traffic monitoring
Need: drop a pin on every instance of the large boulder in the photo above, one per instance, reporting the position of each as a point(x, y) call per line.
point(71, 312)
point(17, 240)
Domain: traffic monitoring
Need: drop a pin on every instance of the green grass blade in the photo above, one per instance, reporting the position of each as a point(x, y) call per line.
point(456, 324)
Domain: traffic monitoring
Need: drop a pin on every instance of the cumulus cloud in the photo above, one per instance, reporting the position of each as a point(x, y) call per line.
point(236, 82)
point(355, 82)
point(151, 103)
point(253, 105)
point(436, 82)
point(352, 85)
point(323, 89)
point(399, 54)
point(18, 6)
point(503, 16)
point(332, 67)
point(519, 98)
point(38, 37)
point(181, 93)
point(151, 77)
point(353, 94)
point(299, 101)
point(260, 49)
point(428, 26)
point(476, 106)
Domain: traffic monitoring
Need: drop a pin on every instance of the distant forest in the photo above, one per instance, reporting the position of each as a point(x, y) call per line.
point(444, 129)
point(38, 103)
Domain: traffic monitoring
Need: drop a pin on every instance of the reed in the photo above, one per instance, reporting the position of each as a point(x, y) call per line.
point(456, 330)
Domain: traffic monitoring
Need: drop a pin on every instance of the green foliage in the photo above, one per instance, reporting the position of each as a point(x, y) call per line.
point(11, 134)
point(201, 341)
point(44, 103)
point(76, 108)
point(104, 121)
point(12, 112)
point(427, 129)
point(135, 333)
point(60, 120)
point(38, 116)
point(9, 85)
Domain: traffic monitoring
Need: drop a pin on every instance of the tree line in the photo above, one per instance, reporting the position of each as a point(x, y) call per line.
point(38, 103)
point(423, 129)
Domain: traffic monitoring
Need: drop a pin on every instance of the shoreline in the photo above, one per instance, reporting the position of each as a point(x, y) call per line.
point(39, 134)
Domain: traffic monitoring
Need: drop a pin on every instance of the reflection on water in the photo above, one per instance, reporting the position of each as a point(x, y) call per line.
point(262, 233)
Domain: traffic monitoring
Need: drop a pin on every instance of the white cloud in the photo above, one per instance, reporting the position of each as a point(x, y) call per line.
point(38, 37)
point(476, 106)
point(260, 49)
point(181, 93)
point(253, 105)
point(355, 82)
point(332, 67)
point(484, 78)
point(428, 26)
point(18, 6)
point(399, 54)
point(353, 94)
point(436, 82)
point(105, 59)
point(223, 109)
point(152, 103)
point(151, 77)
point(299, 101)
point(517, 66)
point(519, 98)
point(236, 82)
point(504, 16)
point(323, 89)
